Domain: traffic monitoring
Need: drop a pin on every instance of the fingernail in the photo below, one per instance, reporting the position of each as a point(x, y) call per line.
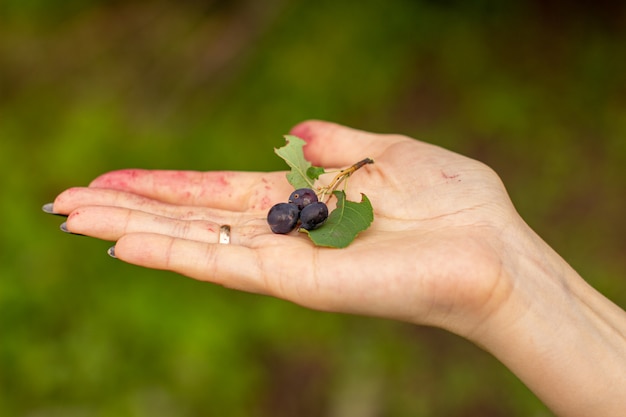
point(63, 228)
point(111, 252)
point(49, 209)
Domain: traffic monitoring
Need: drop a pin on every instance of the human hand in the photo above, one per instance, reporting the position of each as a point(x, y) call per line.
point(433, 255)
point(446, 248)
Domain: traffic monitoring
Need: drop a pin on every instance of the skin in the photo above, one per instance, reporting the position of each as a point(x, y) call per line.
point(446, 249)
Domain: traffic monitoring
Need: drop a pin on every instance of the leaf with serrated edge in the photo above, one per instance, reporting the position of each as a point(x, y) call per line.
point(344, 223)
point(299, 176)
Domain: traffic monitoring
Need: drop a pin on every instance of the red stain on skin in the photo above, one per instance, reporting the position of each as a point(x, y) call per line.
point(265, 203)
point(307, 132)
point(186, 186)
point(267, 185)
point(61, 200)
point(260, 201)
point(215, 182)
point(117, 179)
point(303, 131)
point(450, 176)
point(221, 180)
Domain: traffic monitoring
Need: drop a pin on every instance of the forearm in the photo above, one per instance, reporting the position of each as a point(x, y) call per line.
point(562, 338)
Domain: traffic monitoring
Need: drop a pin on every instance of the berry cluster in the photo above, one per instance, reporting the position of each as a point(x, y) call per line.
point(303, 207)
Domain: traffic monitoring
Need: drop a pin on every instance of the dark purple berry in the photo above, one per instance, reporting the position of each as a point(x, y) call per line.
point(302, 197)
point(283, 217)
point(313, 215)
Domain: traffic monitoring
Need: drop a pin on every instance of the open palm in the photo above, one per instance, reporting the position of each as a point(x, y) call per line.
point(434, 253)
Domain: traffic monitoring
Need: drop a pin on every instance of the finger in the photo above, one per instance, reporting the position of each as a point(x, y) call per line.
point(228, 190)
point(257, 270)
point(73, 198)
point(110, 223)
point(329, 285)
point(231, 266)
point(334, 146)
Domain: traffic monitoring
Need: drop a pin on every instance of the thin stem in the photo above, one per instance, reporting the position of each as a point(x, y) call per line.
point(342, 176)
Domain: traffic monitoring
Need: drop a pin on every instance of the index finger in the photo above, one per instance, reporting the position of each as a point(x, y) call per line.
point(227, 190)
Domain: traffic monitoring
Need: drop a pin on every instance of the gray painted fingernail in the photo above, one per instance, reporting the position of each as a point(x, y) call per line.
point(63, 228)
point(49, 209)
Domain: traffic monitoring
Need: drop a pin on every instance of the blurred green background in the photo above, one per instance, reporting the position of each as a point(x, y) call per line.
point(535, 89)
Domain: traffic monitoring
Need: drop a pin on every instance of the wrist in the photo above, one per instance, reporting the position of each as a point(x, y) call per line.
point(561, 337)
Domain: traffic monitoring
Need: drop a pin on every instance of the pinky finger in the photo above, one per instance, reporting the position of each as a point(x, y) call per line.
point(230, 266)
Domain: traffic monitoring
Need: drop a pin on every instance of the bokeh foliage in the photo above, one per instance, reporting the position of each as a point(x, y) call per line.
point(86, 86)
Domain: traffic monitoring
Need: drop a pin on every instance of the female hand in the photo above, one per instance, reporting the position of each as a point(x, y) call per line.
point(446, 248)
point(432, 255)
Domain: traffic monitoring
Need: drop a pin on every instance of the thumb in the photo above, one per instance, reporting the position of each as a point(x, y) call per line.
point(332, 145)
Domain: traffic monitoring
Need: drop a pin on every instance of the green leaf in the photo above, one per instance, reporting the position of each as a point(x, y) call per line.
point(302, 174)
point(347, 220)
point(314, 172)
point(344, 223)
